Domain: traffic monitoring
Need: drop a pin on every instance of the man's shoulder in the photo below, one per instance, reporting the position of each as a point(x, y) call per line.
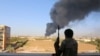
point(65, 41)
point(74, 40)
point(69, 41)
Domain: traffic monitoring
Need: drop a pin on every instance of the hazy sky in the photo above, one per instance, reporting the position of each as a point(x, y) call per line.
point(29, 17)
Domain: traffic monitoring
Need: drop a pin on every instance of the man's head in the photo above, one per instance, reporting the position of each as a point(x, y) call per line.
point(68, 33)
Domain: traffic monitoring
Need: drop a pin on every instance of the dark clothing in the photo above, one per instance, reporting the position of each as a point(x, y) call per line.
point(68, 47)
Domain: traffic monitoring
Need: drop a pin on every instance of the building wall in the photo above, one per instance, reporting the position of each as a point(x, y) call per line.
point(5, 30)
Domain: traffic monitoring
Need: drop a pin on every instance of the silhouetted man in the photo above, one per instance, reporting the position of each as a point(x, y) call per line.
point(69, 46)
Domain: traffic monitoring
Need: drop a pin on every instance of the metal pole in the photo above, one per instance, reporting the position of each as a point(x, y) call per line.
point(58, 33)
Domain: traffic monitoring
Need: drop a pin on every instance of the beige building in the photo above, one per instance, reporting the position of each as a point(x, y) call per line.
point(4, 36)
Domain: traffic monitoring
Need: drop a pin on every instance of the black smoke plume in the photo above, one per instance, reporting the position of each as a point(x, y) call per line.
point(66, 11)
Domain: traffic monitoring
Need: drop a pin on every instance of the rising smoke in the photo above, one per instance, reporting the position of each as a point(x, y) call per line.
point(66, 11)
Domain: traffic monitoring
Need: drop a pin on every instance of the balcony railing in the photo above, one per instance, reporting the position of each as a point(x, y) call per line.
point(44, 54)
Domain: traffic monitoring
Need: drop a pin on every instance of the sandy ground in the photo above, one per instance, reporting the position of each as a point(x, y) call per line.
point(40, 46)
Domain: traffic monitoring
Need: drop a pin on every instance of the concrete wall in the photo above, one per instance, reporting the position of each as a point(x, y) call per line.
point(42, 54)
point(5, 30)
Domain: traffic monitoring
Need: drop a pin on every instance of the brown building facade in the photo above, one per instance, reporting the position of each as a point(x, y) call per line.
point(4, 36)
